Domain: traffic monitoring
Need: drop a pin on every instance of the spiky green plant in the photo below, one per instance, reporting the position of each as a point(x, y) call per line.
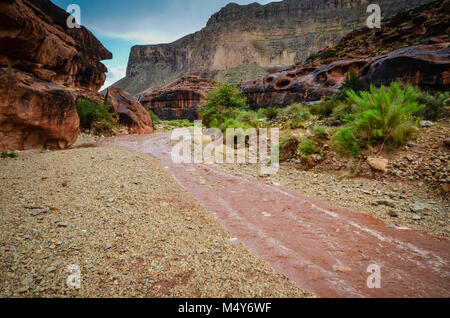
point(384, 114)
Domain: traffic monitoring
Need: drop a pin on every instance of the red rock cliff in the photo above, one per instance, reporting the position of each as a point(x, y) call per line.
point(42, 63)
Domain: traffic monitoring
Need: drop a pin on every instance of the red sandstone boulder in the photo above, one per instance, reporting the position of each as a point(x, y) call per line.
point(35, 113)
point(131, 113)
point(35, 38)
point(40, 60)
point(179, 100)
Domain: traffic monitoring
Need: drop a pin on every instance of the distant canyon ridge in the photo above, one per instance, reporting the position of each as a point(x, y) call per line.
point(243, 42)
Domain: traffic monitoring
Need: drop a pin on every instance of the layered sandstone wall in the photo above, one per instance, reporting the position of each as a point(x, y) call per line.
point(272, 36)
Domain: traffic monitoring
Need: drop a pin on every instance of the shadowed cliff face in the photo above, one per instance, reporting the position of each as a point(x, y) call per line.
point(272, 36)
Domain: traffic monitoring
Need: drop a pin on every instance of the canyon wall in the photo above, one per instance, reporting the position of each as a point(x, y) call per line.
point(43, 64)
point(246, 40)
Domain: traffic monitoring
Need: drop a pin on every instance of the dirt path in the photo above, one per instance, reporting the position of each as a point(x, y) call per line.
point(322, 248)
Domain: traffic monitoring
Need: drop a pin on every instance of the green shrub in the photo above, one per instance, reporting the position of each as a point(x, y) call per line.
point(249, 118)
point(233, 123)
point(222, 103)
point(271, 112)
point(179, 123)
point(352, 82)
point(97, 114)
point(383, 114)
point(9, 154)
point(155, 118)
point(342, 110)
point(435, 102)
point(345, 142)
point(329, 54)
point(311, 57)
point(329, 106)
point(320, 131)
point(308, 146)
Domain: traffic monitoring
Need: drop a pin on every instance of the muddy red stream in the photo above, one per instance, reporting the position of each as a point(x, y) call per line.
point(322, 248)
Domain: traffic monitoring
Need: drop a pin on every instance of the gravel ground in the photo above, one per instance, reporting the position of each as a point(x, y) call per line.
point(128, 225)
point(397, 203)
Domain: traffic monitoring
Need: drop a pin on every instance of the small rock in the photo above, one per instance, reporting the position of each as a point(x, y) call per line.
point(446, 187)
point(416, 218)
point(447, 142)
point(108, 246)
point(386, 202)
point(50, 269)
point(392, 213)
point(64, 184)
point(378, 164)
point(426, 123)
point(411, 144)
point(343, 269)
point(419, 208)
point(62, 224)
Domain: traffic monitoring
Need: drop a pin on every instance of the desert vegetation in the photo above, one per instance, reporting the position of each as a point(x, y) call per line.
point(96, 116)
point(353, 121)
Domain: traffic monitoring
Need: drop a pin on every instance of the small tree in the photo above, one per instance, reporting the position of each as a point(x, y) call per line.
point(222, 103)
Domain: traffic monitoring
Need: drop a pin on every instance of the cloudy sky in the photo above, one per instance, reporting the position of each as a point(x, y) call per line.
point(120, 24)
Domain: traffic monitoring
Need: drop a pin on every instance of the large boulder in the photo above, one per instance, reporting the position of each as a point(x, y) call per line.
point(424, 65)
point(131, 113)
point(43, 64)
point(179, 100)
point(35, 113)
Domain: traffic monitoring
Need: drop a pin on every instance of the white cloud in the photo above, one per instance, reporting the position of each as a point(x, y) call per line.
point(136, 37)
point(114, 74)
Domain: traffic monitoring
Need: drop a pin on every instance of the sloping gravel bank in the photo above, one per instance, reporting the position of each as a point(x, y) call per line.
point(128, 225)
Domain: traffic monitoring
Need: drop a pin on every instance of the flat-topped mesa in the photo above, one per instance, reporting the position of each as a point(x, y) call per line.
point(275, 35)
point(179, 100)
point(43, 63)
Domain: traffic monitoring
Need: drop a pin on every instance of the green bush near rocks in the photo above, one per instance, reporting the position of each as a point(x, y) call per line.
point(385, 114)
point(96, 115)
point(9, 154)
point(223, 103)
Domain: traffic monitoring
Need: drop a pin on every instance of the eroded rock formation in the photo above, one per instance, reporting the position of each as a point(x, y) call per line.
point(179, 100)
point(42, 64)
point(423, 65)
point(379, 56)
point(269, 36)
point(35, 113)
point(131, 113)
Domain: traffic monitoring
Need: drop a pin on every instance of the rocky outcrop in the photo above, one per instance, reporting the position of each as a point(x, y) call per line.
point(275, 35)
point(179, 100)
point(131, 113)
point(379, 56)
point(302, 84)
point(423, 65)
point(42, 64)
point(35, 113)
